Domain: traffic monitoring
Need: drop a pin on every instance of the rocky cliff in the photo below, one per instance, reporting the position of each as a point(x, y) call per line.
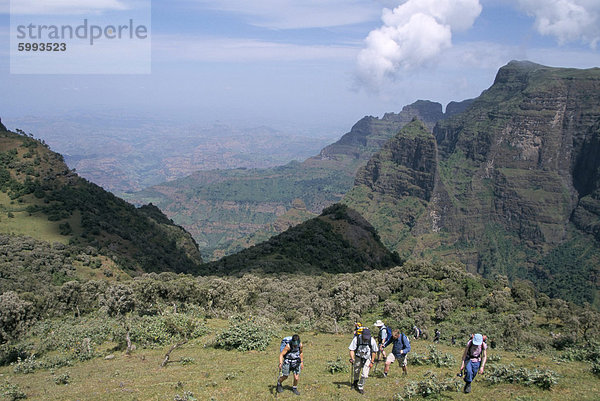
point(224, 209)
point(516, 178)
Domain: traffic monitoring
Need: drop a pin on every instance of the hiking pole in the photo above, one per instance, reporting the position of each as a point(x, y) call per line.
point(351, 374)
point(377, 360)
point(278, 370)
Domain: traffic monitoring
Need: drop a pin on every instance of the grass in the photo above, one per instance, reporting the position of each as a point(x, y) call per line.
point(37, 226)
point(216, 374)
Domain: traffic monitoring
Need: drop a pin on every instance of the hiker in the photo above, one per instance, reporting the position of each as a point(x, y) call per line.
point(436, 339)
point(385, 333)
point(475, 356)
point(363, 350)
point(417, 332)
point(291, 359)
point(400, 348)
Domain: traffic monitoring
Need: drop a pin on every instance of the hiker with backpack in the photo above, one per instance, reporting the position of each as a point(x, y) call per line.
point(291, 359)
point(363, 350)
point(473, 360)
point(385, 333)
point(401, 347)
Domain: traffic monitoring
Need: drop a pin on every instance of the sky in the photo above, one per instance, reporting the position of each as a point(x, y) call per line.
point(310, 64)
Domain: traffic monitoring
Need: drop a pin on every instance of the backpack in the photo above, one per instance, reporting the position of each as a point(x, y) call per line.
point(388, 335)
point(285, 341)
point(363, 347)
point(475, 351)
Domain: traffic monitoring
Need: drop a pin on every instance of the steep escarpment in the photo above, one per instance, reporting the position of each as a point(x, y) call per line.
point(516, 181)
point(223, 209)
point(370, 133)
point(393, 189)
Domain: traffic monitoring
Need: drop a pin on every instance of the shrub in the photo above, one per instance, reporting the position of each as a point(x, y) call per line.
point(434, 357)
point(246, 333)
point(431, 386)
point(27, 365)
point(165, 329)
point(337, 366)
point(62, 379)
point(16, 316)
point(596, 368)
point(187, 396)
point(12, 392)
point(542, 378)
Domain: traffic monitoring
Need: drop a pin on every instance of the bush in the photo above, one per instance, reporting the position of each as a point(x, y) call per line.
point(27, 365)
point(435, 357)
point(62, 379)
point(165, 329)
point(187, 396)
point(542, 378)
point(246, 334)
point(16, 316)
point(337, 366)
point(12, 392)
point(431, 386)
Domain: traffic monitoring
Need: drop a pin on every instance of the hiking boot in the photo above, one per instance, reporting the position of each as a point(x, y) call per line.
point(355, 384)
point(279, 388)
point(295, 391)
point(360, 391)
point(384, 375)
point(467, 389)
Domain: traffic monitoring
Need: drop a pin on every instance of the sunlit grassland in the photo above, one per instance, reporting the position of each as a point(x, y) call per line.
point(216, 374)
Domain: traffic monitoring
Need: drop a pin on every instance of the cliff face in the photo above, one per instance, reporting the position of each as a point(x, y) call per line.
point(405, 166)
point(371, 133)
point(225, 209)
point(516, 176)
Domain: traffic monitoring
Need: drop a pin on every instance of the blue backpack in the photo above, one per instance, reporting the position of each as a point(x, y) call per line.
point(388, 336)
point(284, 342)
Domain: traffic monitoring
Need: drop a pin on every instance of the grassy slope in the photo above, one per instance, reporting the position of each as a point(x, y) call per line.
point(231, 375)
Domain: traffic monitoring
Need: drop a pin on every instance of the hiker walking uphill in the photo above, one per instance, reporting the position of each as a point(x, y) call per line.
point(401, 347)
point(291, 359)
point(363, 349)
point(385, 333)
point(473, 360)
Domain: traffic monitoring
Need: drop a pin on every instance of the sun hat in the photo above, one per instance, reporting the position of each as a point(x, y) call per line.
point(477, 339)
point(378, 323)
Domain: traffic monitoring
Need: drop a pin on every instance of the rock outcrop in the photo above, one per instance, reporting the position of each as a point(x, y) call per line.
point(517, 175)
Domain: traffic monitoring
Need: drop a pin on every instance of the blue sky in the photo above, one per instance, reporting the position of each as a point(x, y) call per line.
point(311, 64)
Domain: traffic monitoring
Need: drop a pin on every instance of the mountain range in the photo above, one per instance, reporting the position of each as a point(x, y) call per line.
point(124, 152)
point(510, 186)
point(227, 210)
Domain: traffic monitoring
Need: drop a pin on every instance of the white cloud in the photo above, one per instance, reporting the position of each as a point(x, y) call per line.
point(210, 49)
point(291, 14)
point(566, 20)
point(64, 7)
point(413, 34)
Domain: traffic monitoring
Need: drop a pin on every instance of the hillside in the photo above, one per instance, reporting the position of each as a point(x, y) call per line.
point(539, 348)
point(338, 241)
point(44, 201)
point(222, 207)
point(509, 186)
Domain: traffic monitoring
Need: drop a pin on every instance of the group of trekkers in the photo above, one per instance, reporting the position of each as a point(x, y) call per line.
point(365, 350)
